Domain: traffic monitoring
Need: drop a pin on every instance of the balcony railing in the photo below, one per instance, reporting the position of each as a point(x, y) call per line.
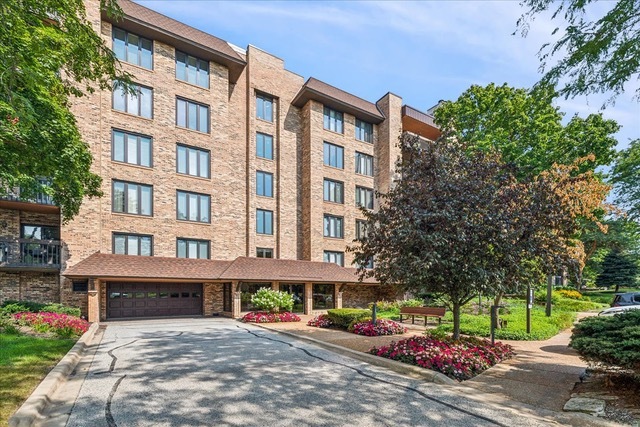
point(30, 254)
point(15, 195)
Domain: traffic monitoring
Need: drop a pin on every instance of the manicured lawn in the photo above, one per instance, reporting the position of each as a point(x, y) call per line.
point(24, 362)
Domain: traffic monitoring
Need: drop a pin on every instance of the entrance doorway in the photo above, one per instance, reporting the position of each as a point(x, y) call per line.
point(297, 291)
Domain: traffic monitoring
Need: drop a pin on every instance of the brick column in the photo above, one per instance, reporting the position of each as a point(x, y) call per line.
point(235, 306)
point(275, 286)
point(93, 301)
point(308, 298)
point(338, 291)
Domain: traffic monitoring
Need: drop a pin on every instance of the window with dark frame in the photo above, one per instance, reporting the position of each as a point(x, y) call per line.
point(192, 70)
point(193, 248)
point(132, 48)
point(333, 191)
point(192, 115)
point(193, 161)
point(131, 148)
point(323, 296)
point(132, 244)
point(80, 285)
point(364, 164)
point(264, 146)
point(334, 257)
point(264, 221)
point(361, 229)
point(193, 207)
point(227, 297)
point(264, 252)
point(264, 184)
point(364, 131)
point(333, 120)
point(132, 198)
point(333, 226)
point(138, 103)
point(364, 197)
point(264, 107)
point(333, 155)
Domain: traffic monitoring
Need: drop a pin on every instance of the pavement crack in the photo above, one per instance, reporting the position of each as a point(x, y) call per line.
point(111, 422)
point(114, 359)
point(391, 383)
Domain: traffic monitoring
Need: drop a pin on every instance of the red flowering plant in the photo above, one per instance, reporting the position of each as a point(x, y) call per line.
point(381, 327)
point(458, 359)
point(63, 325)
point(264, 317)
point(320, 321)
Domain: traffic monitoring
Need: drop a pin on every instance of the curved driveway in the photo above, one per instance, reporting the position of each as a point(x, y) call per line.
point(220, 372)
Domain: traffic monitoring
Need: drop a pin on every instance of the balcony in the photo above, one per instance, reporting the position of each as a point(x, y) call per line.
point(29, 254)
point(41, 202)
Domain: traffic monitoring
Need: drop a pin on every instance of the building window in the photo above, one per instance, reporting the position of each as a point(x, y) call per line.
point(264, 107)
point(323, 296)
point(364, 197)
point(334, 257)
point(80, 285)
point(368, 263)
point(192, 248)
point(333, 191)
point(139, 103)
point(264, 252)
point(193, 161)
point(364, 164)
point(132, 244)
point(264, 184)
point(361, 229)
point(132, 49)
point(132, 198)
point(264, 146)
point(333, 226)
point(333, 120)
point(131, 148)
point(333, 155)
point(193, 207)
point(192, 115)
point(192, 70)
point(364, 131)
point(39, 232)
point(264, 221)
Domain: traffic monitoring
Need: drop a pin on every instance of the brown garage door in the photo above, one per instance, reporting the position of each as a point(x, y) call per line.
point(126, 299)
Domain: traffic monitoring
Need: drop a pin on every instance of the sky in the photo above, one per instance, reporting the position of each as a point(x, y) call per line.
point(423, 51)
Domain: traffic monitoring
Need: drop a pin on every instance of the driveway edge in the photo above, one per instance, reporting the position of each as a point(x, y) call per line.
point(394, 365)
point(31, 409)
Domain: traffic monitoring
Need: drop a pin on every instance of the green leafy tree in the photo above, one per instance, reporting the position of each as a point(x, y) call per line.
point(625, 177)
point(460, 223)
point(618, 269)
point(49, 53)
point(526, 128)
point(600, 55)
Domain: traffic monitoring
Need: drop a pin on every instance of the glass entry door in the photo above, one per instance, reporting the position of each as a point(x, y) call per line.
point(297, 290)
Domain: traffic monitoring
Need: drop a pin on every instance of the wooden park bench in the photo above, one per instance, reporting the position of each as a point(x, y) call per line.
point(422, 312)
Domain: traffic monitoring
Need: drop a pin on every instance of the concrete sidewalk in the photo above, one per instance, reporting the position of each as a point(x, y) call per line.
point(542, 374)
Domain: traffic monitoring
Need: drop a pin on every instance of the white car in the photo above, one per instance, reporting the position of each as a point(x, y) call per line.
point(616, 310)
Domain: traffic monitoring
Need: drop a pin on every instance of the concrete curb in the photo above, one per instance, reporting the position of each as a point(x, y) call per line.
point(32, 408)
point(394, 365)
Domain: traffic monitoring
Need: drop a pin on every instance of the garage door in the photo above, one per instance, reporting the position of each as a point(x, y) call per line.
point(153, 299)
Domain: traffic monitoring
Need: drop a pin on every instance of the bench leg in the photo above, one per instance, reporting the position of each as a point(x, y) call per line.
point(413, 319)
point(439, 320)
point(425, 321)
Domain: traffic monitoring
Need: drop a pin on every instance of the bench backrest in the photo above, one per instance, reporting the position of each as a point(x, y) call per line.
point(432, 311)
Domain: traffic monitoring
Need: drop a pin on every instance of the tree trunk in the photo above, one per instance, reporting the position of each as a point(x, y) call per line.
point(496, 301)
point(456, 321)
point(617, 288)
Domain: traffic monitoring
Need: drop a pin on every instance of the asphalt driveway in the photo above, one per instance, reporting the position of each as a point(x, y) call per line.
point(219, 372)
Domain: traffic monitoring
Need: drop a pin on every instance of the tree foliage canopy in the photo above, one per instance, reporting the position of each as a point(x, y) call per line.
point(618, 269)
point(49, 52)
point(600, 55)
point(460, 222)
point(526, 128)
point(625, 177)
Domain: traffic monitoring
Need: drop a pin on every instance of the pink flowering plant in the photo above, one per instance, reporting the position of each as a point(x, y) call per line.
point(460, 359)
point(264, 317)
point(320, 321)
point(62, 325)
point(381, 327)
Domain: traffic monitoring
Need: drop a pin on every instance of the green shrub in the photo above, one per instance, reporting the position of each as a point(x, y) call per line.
point(272, 301)
point(570, 293)
point(12, 307)
point(384, 305)
point(612, 341)
point(355, 322)
point(540, 296)
point(415, 302)
point(343, 317)
point(8, 326)
point(568, 304)
point(61, 309)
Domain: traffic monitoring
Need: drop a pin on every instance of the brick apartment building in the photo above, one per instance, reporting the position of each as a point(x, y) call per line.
point(226, 174)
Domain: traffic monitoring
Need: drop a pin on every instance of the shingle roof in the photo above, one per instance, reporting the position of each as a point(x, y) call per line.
point(157, 26)
point(338, 99)
point(242, 268)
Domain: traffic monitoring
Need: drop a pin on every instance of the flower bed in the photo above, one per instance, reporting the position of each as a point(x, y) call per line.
point(320, 321)
point(460, 360)
point(61, 324)
point(263, 317)
point(381, 327)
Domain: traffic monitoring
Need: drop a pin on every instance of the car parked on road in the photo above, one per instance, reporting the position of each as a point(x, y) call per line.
point(627, 298)
point(617, 310)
